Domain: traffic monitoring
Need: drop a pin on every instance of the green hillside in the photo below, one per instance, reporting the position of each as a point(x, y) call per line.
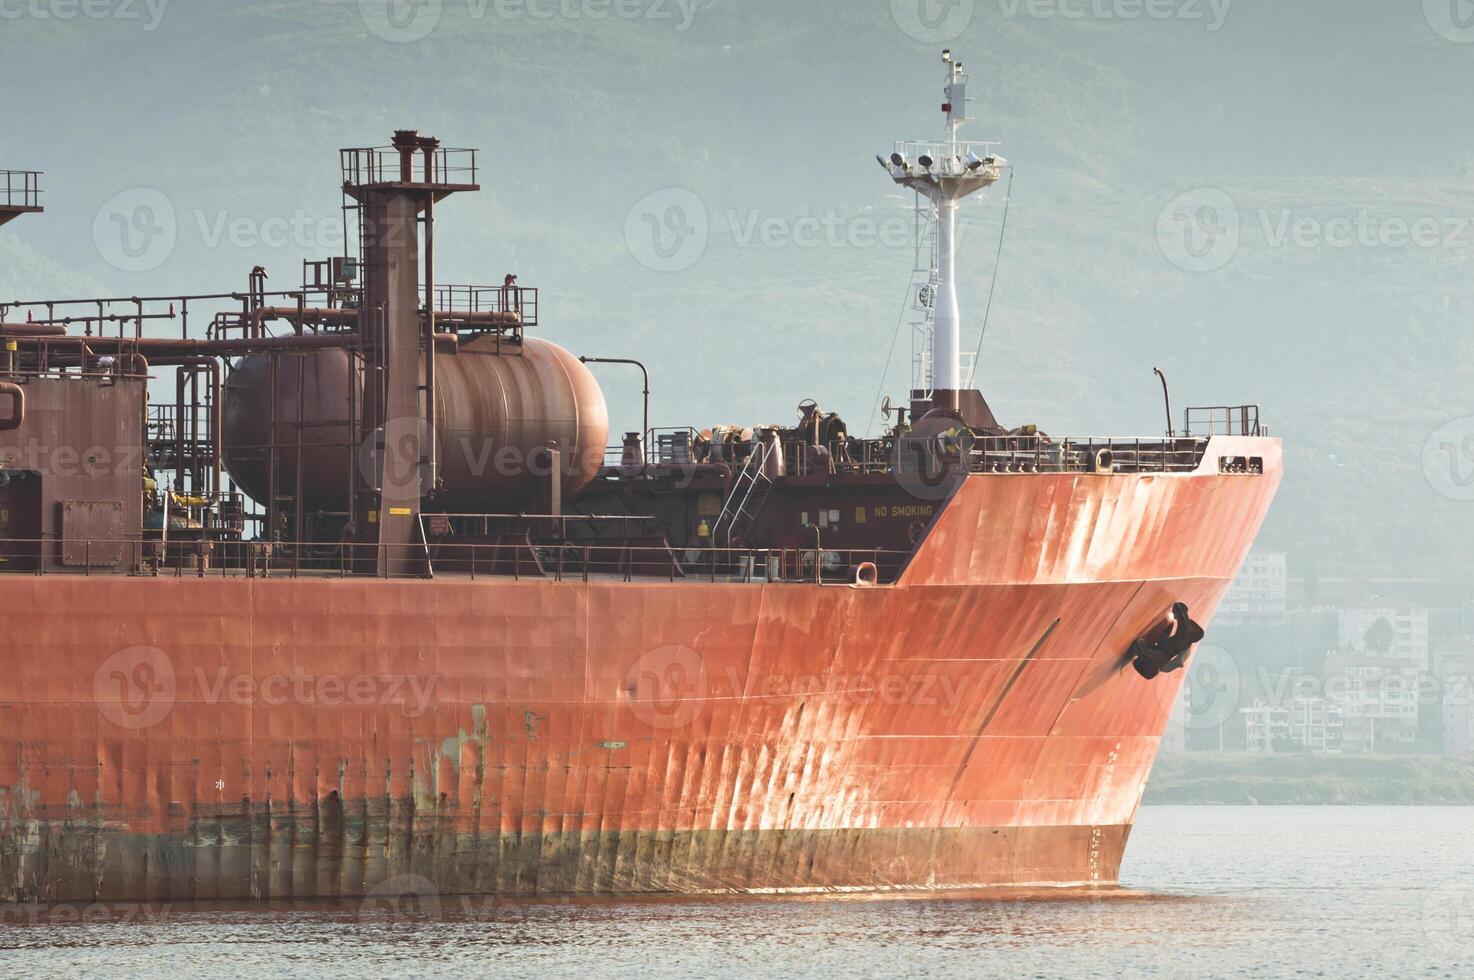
point(1308, 116)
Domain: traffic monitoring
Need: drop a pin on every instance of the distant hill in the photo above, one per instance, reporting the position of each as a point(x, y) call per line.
point(1311, 118)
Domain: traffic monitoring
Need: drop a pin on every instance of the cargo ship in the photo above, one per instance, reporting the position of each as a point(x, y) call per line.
point(340, 590)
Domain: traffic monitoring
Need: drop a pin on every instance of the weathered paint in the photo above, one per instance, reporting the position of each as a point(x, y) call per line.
point(974, 725)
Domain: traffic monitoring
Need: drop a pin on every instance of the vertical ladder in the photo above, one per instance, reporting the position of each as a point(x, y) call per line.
point(925, 276)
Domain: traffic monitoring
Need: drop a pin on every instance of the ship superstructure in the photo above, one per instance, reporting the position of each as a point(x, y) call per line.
point(743, 657)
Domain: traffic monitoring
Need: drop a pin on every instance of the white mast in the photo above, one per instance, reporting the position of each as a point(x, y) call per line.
point(946, 172)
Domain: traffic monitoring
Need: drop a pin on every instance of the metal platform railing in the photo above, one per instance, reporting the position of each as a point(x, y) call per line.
point(370, 165)
point(948, 157)
point(984, 455)
point(521, 300)
point(1224, 420)
point(1087, 455)
point(588, 561)
point(21, 189)
point(1021, 454)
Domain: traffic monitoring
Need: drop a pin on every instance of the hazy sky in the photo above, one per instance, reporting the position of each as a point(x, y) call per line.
point(1271, 201)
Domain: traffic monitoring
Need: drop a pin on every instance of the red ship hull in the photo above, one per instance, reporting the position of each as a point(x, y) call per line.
point(976, 724)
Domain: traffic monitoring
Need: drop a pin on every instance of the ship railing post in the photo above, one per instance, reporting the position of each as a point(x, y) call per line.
point(585, 563)
point(516, 562)
point(87, 558)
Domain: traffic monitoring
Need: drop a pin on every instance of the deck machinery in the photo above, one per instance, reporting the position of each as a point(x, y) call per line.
point(374, 421)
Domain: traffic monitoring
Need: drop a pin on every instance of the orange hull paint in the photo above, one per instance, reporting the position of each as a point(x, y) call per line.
point(976, 724)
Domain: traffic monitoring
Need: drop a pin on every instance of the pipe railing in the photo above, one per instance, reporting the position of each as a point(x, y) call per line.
point(580, 561)
point(984, 455)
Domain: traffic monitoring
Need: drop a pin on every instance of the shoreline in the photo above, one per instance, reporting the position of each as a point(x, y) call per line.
point(1245, 779)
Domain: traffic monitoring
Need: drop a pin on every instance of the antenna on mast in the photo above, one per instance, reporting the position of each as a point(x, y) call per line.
point(944, 172)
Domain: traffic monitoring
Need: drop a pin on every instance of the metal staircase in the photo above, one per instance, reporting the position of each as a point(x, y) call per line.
point(180, 444)
point(749, 492)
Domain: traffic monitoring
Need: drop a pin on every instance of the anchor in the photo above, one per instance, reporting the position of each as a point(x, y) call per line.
point(1165, 648)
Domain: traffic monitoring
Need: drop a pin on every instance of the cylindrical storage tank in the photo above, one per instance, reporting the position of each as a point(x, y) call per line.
point(330, 452)
point(495, 415)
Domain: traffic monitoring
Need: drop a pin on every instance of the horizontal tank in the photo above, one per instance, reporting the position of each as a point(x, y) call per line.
point(495, 415)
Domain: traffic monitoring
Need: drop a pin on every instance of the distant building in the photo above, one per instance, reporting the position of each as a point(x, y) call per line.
point(1174, 739)
point(1266, 725)
point(1405, 632)
point(1458, 722)
point(1257, 596)
point(1455, 675)
point(1307, 724)
point(1378, 698)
